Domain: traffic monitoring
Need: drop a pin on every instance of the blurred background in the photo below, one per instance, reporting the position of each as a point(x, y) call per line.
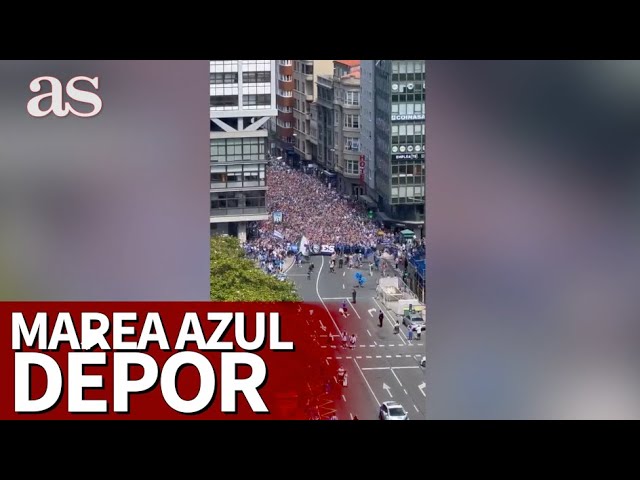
point(112, 207)
point(533, 234)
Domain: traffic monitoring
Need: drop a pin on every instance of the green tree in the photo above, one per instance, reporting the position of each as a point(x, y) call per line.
point(234, 278)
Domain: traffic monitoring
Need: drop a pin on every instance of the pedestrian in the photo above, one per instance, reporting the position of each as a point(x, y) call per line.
point(371, 269)
point(340, 262)
point(396, 328)
point(410, 334)
point(355, 417)
point(380, 318)
point(344, 338)
point(344, 308)
point(332, 266)
point(353, 295)
point(352, 341)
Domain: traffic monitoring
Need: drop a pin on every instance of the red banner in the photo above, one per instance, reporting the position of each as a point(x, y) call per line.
point(173, 360)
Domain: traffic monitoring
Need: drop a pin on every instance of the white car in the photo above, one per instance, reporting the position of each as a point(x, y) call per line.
point(392, 411)
point(423, 362)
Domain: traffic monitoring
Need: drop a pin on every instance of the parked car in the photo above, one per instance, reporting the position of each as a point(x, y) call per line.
point(414, 321)
point(392, 411)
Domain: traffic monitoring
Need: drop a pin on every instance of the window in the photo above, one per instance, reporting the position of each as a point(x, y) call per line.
point(352, 97)
point(285, 78)
point(222, 78)
point(352, 167)
point(286, 63)
point(285, 93)
point(237, 200)
point(254, 100)
point(237, 149)
point(223, 101)
point(351, 121)
point(352, 144)
point(256, 77)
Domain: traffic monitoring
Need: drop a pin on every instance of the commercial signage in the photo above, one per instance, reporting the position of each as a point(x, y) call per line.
point(408, 156)
point(277, 217)
point(362, 165)
point(415, 116)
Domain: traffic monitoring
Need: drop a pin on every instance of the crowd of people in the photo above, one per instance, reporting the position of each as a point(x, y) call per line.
point(315, 210)
point(324, 217)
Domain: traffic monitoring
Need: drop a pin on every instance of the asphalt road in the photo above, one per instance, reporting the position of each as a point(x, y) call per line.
point(383, 366)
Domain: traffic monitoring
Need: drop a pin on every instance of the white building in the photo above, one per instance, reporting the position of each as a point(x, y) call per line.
point(242, 100)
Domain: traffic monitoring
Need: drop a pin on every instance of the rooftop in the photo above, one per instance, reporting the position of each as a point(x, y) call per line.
point(349, 63)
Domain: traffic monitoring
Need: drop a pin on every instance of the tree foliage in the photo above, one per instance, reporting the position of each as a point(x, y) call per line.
point(235, 278)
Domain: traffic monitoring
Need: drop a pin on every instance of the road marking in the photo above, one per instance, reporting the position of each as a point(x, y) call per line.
point(344, 398)
point(378, 356)
point(392, 345)
point(387, 388)
point(354, 309)
point(348, 358)
point(405, 390)
point(367, 382)
point(368, 356)
point(407, 356)
point(323, 346)
point(326, 360)
point(290, 266)
point(343, 286)
point(388, 356)
point(398, 356)
point(351, 415)
point(401, 334)
point(394, 374)
point(333, 298)
point(344, 273)
point(388, 368)
point(422, 386)
point(338, 358)
point(369, 332)
point(363, 346)
point(358, 358)
point(371, 345)
point(321, 300)
point(371, 309)
point(416, 409)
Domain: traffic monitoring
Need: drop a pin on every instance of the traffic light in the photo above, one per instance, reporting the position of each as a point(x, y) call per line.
point(370, 214)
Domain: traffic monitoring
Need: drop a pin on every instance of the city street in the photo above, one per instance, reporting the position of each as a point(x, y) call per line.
point(382, 366)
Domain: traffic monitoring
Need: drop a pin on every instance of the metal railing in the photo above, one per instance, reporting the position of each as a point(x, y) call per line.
point(239, 211)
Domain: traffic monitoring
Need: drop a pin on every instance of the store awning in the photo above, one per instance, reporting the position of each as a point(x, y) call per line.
point(368, 200)
point(328, 173)
point(407, 233)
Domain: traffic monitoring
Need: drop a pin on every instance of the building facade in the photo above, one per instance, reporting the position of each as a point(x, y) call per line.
point(336, 128)
point(283, 123)
point(242, 101)
point(367, 122)
point(305, 75)
point(397, 88)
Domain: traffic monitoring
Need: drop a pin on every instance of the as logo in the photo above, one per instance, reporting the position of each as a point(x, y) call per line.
point(59, 107)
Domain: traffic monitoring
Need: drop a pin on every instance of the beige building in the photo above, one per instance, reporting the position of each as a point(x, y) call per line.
point(305, 91)
point(336, 129)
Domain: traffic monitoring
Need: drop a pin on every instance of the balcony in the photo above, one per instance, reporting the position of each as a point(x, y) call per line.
point(309, 96)
point(237, 211)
